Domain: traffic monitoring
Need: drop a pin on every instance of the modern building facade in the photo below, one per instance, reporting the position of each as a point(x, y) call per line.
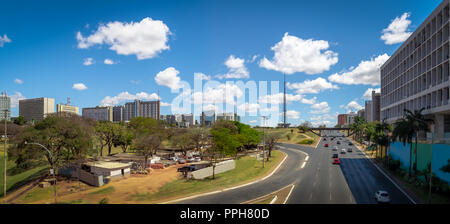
point(228, 117)
point(5, 107)
point(208, 118)
point(99, 113)
point(376, 106)
point(36, 109)
point(64, 108)
point(189, 118)
point(362, 113)
point(140, 108)
point(369, 111)
point(351, 118)
point(342, 119)
point(417, 75)
point(118, 113)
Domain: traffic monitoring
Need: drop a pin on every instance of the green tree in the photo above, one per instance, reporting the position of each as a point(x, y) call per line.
point(106, 132)
point(271, 140)
point(200, 136)
point(404, 132)
point(418, 123)
point(20, 120)
point(225, 143)
point(147, 145)
point(123, 137)
point(184, 142)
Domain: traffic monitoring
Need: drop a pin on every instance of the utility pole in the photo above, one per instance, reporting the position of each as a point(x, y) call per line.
point(5, 153)
point(431, 168)
point(284, 102)
point(264, 139)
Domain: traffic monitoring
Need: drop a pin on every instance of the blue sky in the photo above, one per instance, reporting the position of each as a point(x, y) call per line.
point(39, 46)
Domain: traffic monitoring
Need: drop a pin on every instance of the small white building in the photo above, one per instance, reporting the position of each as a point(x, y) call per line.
point(108, 169)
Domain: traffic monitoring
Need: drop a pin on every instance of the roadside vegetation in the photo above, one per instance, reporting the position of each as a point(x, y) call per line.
point(377, 137)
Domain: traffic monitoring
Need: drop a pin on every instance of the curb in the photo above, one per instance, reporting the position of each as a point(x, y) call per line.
point(385, 174)
point(227, 189)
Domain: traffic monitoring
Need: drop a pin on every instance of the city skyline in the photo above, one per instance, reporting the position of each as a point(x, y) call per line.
point(86, 58)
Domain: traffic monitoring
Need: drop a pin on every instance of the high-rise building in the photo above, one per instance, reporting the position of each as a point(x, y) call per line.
point(417, 75)
point(228, 117)
point(369, 111)
point(208, 118)
point(362, 113)
point(118, 113)
point(99, 113)
point(140, 108)
point(5, 107)
point(376, 106)
point(351, 118)
point(189, 118)
point(342, 119)
point(64, 108)
point(36, 109)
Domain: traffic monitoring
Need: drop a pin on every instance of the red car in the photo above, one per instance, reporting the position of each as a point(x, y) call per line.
point(326, 145)
point(336, 161)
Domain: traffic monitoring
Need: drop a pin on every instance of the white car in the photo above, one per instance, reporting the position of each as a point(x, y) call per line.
point(382, 197)
point(335, 148)
point(343, 151)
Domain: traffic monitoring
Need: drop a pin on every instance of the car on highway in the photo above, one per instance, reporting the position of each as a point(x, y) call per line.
point(324, 139)
point(181, 161)
point(335, 148)
point(349, 150)
point(336, 161)
point(350, 143)
point(338, 142)
point(326, 145)
point(335, 155)
point(382, 196)
point(343, 151)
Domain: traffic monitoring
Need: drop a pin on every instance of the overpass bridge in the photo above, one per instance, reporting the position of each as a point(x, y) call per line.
point(323, 131)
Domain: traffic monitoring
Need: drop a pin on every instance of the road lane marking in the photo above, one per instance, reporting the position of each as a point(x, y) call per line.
point(330, 196)
point(287, 197)
point(307, 157)
point(227, 189)
point(274, 199)
point(303, 165)
point(381, 171)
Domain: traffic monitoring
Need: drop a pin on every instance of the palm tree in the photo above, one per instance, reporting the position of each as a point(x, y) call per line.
point(382, 129)
point(418, 123)
point(404, 132)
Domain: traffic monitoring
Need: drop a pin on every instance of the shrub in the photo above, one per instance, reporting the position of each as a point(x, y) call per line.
point(288, 137)
point(306, 142)
point(104, 201)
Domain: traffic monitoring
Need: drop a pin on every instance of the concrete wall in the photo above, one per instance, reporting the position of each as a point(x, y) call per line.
point(208, 171)
point(90, 178)
point(441, 154)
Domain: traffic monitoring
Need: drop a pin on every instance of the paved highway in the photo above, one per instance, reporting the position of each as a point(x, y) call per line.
point(319, 181)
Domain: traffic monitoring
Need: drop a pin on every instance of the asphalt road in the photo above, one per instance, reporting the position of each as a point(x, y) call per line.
point(319, 182)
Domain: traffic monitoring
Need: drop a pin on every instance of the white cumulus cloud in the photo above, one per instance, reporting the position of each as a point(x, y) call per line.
point(145, 39)
point(320, 108)
point(278, 99)
point(168, 77)
point(353, 106)
point(237, 69)
point(126, 96)
point(15, 99)
point(368, 94)
point(311, 86)
point(249, 107)
point(397, 31)
point(108, 61)
point(293, 54)
point(18, 81)
point(79, 86)
point(366, 73)
point(4, 40)
point(88, 61)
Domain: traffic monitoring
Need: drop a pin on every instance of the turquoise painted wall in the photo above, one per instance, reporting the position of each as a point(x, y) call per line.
point(441, 154)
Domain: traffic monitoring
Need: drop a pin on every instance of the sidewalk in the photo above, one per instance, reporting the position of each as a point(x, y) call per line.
point(395, 179)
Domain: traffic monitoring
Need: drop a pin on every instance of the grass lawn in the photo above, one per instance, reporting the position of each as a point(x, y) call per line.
point(13, 182)
point(38, 193)
point(105, 190)
point(247, 169)
point(294, 138)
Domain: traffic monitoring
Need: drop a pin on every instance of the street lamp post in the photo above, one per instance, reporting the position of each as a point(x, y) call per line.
point(53, 165)
point(5, 153)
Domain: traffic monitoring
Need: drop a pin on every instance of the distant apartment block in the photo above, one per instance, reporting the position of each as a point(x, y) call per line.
point(351, 118)
point(188, 118)
point(63, 108)
point(369, 112)
point(118, 113)
point(376, 106)
point(417, 74)
point(208, 118)
point(228, 117)
point(342, 119)
point(140, 108)
point(36, 109)
point(362, 113)
point(99, 113)
point(5, 107)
